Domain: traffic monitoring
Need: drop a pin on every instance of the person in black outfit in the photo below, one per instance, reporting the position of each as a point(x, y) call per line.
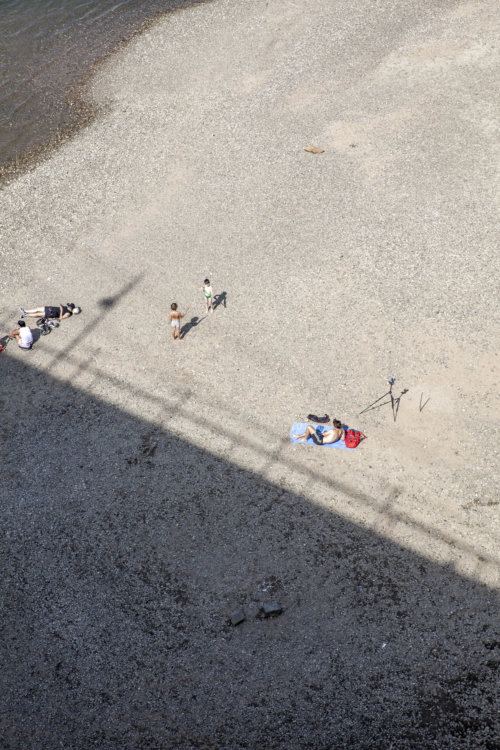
point(53, 312)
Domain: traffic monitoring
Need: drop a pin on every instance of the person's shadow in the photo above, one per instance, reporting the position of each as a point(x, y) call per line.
point(190, 324)
point(220, 299)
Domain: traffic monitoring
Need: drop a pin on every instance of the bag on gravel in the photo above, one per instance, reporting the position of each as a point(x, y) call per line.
point(353, 438)
point(320, 420)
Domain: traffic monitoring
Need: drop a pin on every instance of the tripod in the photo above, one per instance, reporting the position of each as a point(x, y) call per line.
point(394, 401)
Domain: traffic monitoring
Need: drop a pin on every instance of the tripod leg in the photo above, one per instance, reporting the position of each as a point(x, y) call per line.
point(375, 402)
point(425, 403)
point(393, 404)
point(397, 402)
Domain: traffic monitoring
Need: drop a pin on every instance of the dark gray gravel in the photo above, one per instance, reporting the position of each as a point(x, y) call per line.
point(123, 560)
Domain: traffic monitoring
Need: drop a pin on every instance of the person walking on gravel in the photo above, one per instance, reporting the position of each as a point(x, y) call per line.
point(54, 312)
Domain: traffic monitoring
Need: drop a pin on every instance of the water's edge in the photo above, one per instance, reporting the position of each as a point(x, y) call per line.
point(79, 108)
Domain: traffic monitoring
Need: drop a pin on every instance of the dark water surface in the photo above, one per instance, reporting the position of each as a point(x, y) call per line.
point(46, 48)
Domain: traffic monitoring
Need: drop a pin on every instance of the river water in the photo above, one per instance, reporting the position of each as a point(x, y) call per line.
point(46, 48)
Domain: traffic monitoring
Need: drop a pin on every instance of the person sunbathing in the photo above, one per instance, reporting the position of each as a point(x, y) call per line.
point(322, 437)
point(55, 312)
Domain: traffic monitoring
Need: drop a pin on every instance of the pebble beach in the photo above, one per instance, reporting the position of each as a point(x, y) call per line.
point(150, 489)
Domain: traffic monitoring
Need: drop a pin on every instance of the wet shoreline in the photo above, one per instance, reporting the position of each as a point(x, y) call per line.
point(77, 108)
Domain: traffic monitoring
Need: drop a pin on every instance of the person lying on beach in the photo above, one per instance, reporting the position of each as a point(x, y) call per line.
point(209, 295)
point(55, 312)
point(23, 334)
point(175, 321)
point(322, 438)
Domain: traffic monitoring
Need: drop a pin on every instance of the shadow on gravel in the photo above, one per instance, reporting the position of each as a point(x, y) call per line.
point(187, 327)
point(125, 550)
point(220, 299)
point(106, 303)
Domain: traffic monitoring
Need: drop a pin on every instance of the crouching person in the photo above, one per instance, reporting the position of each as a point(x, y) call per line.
point(23, 335)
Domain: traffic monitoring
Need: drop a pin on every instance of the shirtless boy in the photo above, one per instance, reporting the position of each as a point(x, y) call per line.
point(175, 321)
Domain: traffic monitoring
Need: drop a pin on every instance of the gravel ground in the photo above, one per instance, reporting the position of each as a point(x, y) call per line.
point(150, 489)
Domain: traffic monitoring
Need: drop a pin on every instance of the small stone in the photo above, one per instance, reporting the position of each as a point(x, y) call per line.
point(271, 609)
point(237, 617)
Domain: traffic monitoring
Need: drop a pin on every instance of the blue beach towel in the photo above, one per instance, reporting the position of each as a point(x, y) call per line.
point(300, 427)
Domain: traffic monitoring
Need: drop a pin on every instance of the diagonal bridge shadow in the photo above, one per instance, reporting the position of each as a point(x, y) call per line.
point(221, 426)
point(124, 549)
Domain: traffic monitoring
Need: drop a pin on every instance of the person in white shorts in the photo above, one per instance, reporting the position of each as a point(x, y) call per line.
point(175, 321)
point(23, 334)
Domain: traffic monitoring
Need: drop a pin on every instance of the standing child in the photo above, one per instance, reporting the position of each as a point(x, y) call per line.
point(209, 295)
point(175, 321)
